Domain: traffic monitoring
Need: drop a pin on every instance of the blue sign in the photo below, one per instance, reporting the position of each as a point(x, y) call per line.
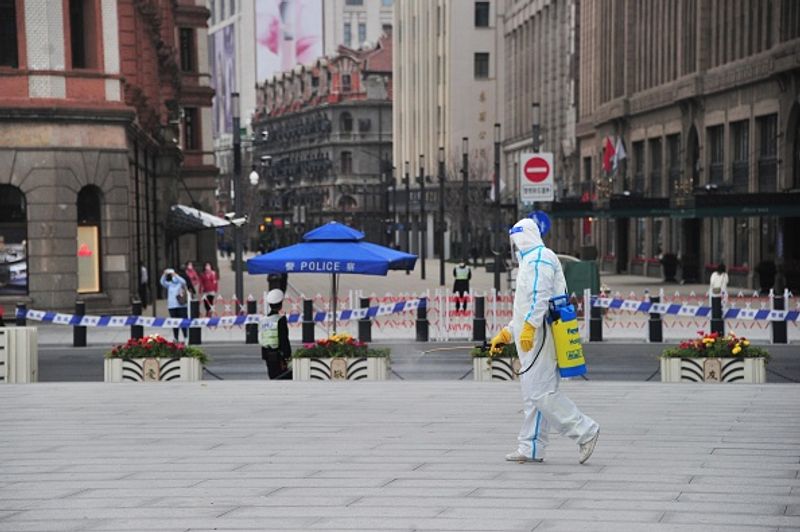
point(542, 221)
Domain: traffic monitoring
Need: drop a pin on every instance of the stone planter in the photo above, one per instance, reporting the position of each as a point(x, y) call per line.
point(495, 368)
point(19, 355)
point(186, 369)
point(748, 370)
point(340, 369)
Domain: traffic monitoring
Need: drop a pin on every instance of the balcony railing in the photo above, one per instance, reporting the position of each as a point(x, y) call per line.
point(637, 186)
point(716, 173)
point(655, 185)
point(741, 176)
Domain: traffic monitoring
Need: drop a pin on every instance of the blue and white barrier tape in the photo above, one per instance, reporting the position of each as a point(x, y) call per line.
point(676, 309)
point(144, 321)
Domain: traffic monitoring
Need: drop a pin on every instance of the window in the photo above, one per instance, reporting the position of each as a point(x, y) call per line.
point(13, 241)
point(348, 34)
point(8, 34)
point(187, 49)
point(638, 168)
point(481, 14)
point(655, 168)
point(387, 3)
point(767, 153)
point(191, 125)
point(233, 7)
point(347, 162)
point(740, 133)
point(362, 33)
point(346, 122)
point(716, 154)
point(89, 199)
point(741, 244)
point(346, 82)
point(481, 65)
point(673, 161)
point(83, 34)
point(354, 2)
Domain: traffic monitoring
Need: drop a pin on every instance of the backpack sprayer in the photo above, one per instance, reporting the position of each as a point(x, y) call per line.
point(563, 320)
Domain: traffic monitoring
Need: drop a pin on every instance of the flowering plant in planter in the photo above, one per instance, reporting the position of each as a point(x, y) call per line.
point(712, 345)
point(155, 346)
point(340, 345)
point(485, 351)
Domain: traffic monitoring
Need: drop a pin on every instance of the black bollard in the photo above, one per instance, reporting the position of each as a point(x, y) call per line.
point(79, 331)
point(19, 318)
point(137, 331)
point(479, 320)
point(595, 322)
point(779, 335)
point(717, 323)
point(365, 324)
point(308, 321)
point(656, 327)
point(251, 329)
point(195, 333)
point(422, 320)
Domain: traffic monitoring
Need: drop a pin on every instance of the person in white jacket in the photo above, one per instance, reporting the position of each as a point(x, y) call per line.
point(540, 278)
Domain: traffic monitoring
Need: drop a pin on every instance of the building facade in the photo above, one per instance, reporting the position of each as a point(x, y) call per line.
point(102, 116)
point(448, 75)
point(323, 145)
point(354, 23)
point(704, 96)
point(540, 54)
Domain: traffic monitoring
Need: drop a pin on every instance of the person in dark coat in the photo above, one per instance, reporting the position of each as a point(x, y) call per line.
point(273, 335)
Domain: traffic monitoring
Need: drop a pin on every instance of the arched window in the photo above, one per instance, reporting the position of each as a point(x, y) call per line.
point(13, 241)
point(89, 203)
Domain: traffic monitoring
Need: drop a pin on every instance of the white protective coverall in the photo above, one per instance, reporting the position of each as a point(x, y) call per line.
point(539, 278)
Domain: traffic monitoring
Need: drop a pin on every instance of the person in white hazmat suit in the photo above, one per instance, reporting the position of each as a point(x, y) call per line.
point(539, 278)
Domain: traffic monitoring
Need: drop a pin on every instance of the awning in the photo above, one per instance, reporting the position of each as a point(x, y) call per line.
point(183, 219)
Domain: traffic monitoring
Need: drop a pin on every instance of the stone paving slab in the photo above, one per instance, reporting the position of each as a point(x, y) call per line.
point(421, 455)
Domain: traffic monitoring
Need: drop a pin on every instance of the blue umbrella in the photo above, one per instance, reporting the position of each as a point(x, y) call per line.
point(335, 249)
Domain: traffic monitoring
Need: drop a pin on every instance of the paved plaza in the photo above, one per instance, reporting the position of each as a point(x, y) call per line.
point(392, 456)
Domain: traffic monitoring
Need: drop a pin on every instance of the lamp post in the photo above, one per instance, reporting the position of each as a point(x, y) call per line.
point(407, 182)
point(237, 198)
point(393, 202)
point(496, 208)
point(465, 195)
point(441, 216)
point(422, 221)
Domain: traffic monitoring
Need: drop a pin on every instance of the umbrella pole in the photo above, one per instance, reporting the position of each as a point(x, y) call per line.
point(333, 301)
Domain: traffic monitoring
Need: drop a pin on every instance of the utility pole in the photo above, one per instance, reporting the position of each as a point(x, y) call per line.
point(441, 216)
point(237, 199)
point(422, 221)
point(535, 131)
point(496, 208)
point(465, 194)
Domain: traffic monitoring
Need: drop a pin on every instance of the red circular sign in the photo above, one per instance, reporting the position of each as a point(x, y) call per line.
point(537, 169)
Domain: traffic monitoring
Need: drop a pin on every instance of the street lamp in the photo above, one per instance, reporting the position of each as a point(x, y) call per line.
point(423, 222)
point(496, 224)
point(407, 182)
point(465, 195)
point(237, 198)
point(441, 215)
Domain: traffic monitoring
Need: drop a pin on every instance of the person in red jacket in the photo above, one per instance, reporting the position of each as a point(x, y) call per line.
point(209, 282)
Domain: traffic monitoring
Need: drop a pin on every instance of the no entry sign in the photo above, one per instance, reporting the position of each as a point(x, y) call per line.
point(536, 177)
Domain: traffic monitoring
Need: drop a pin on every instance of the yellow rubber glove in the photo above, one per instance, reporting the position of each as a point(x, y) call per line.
point(500, 339)
point(527, 336)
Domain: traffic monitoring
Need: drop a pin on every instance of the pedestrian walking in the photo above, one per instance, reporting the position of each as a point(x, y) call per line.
point(193, 277)
point(273, 335)
point(209, 281)
point(718, 284)
point(539, 279)
point(177, 298)
point(462, 275)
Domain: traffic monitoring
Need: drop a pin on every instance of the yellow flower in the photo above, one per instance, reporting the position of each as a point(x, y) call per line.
point(745, 342)
point(736, 350)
